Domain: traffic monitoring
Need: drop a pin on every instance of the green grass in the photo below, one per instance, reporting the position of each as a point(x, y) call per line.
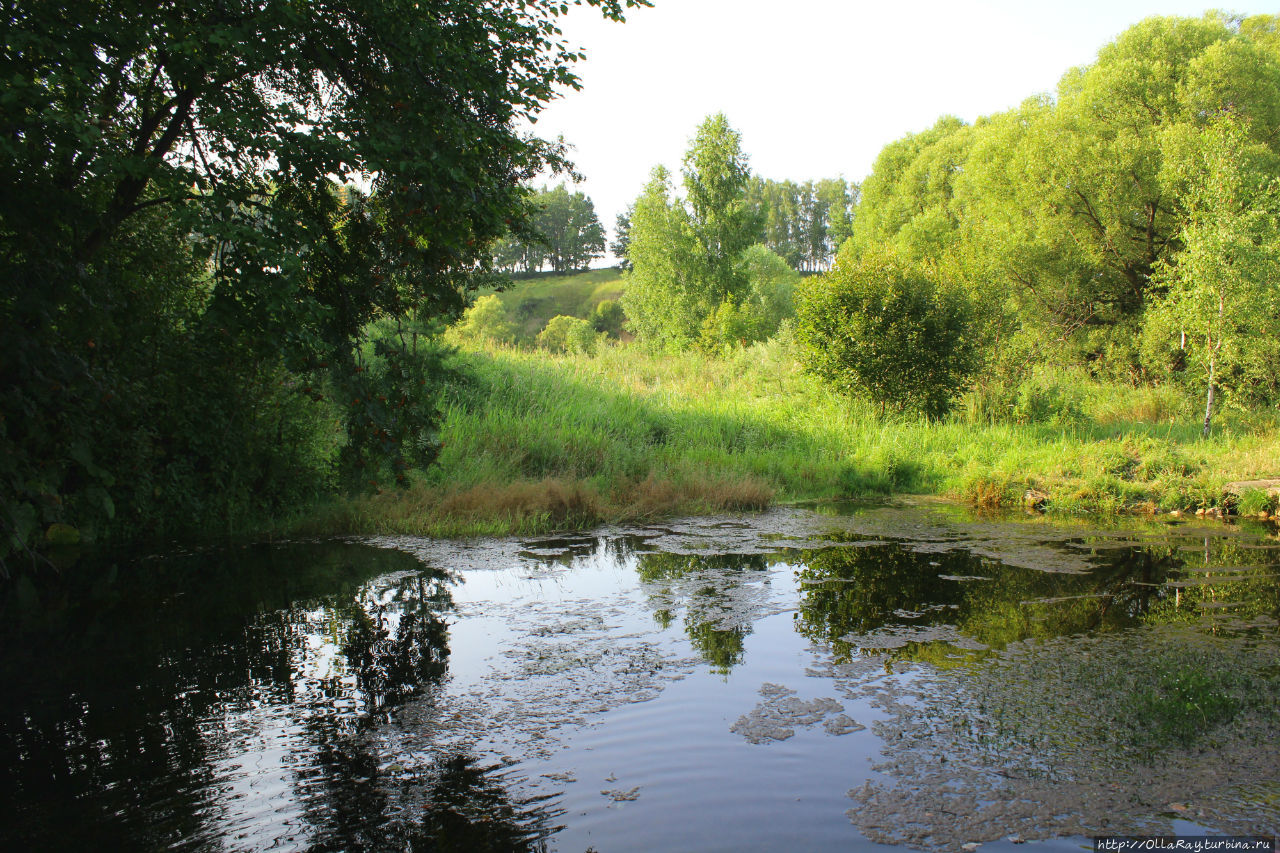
point(530, 303)
point(541, 441)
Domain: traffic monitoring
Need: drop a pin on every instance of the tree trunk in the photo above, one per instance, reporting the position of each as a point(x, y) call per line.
point(1213, 361)
point(1208, 404)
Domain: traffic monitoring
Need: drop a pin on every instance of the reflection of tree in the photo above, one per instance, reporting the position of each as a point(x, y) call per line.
point(859, 591)
point(131, 682)
point(1025, 603)
point(468, 810)
point(392, 661)
point(653, 567)
point(722, 648)
point(1227, 580)
point(710, 589)
point(862, 589)
point(455, 804)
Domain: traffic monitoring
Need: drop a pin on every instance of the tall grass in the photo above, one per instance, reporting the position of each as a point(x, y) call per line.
point(540, 441)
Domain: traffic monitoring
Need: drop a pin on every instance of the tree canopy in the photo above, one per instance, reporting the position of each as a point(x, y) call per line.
point(564, 233)
point(168, 209)
point(1069, 215)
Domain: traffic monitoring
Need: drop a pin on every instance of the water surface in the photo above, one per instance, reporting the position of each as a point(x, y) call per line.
point(884, 676)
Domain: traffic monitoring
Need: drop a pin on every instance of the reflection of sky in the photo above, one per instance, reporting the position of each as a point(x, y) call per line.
point(321, 658)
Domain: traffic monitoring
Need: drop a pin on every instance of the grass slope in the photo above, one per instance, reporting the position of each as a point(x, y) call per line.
point(530, 303)
point(540, 442)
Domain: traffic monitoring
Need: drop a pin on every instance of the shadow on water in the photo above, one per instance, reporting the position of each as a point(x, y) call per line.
point(187, 701)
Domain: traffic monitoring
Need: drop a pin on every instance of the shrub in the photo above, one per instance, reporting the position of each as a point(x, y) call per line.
point(884, 329)
point(486, 320)
point(569, 334)
point(608, 317)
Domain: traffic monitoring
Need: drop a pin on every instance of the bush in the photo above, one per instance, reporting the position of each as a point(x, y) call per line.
point(569, 334)
point(608, 317)
point(884, 329)
point(486, 320)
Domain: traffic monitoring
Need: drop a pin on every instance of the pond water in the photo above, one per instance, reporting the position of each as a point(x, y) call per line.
point(876, 677)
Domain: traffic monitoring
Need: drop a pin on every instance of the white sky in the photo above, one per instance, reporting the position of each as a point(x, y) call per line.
point(816, 87)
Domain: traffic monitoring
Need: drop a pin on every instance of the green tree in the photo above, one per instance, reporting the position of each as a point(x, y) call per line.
point(574, 233)
point(715, 180)
point(665, 298)
point(685, 257)
point(1060, 212)
point(838, 197)
point(777, 208)
point(564, 233)
point(217, 127)
point(1070, 201)
point(907, 200)
point(1222, 292)
point(757, 313)
point(805, 224)
point(885, 329)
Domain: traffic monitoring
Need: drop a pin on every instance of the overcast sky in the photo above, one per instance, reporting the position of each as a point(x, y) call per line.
point(816, 87)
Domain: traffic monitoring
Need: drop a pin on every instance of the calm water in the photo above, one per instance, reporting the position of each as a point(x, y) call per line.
point(787, 681)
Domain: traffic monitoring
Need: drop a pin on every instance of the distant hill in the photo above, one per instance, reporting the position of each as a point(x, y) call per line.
point(531, 302)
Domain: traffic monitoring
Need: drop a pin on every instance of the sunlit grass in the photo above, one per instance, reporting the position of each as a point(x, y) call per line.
point(541, 442)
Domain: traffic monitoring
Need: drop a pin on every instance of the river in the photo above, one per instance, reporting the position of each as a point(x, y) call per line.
point(855, 678)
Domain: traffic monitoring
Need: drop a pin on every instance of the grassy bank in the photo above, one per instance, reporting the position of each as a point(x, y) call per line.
point(539, 442)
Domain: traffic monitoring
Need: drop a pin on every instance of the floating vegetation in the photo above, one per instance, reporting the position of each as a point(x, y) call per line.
point(782, 712)
point(1079, 736)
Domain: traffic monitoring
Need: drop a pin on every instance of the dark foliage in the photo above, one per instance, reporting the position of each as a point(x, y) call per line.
point(180, 274)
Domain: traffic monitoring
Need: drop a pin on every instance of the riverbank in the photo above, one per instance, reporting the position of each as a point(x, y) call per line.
point(538, 442)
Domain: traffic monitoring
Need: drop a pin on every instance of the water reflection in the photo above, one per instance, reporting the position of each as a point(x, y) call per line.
point(345, 697)
point(455, 805)
point(720, 594)
point(217, 696)
point(943, 606)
